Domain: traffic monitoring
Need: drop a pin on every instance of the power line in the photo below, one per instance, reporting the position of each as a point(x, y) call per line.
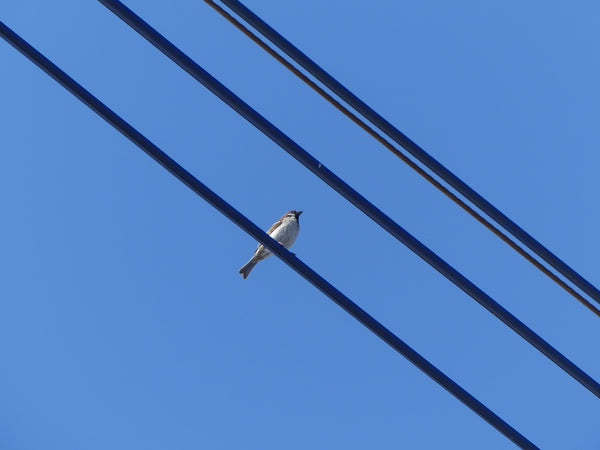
point(249, 227)
point(301, 155)
point(382, 140)
point(415, 150)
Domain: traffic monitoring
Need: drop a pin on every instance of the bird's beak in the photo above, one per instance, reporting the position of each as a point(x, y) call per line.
point(298, 214)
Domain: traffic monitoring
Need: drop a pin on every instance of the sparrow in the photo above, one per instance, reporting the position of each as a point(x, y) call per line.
point(284, 231)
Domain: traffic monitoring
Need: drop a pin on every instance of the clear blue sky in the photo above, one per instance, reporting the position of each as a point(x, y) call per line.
point(124, 323)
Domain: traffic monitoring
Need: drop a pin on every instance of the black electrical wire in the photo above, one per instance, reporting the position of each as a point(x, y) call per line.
point(301, 155)
point(413, 165)
point(249, 227)
point(415, 150)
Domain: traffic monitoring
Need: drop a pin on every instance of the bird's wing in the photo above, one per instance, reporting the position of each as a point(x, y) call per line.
point(275, 225)
point(273, 228)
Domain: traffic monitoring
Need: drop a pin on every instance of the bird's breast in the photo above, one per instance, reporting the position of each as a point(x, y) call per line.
point(286, 233)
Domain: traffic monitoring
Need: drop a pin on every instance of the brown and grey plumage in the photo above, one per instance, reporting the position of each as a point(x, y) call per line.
point(284, 231)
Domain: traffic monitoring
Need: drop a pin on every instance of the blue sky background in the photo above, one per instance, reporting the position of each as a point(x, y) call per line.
point(124, 323)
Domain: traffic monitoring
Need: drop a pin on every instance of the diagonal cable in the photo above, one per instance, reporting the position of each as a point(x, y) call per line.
point(382, 140)
point(354, 197)
point(415, 150)
point(249, 227)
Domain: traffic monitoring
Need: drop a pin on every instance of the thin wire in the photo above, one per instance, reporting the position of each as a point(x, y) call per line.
point(249, 227)
point(382, 140)
point(429, 161)
point(305, 158)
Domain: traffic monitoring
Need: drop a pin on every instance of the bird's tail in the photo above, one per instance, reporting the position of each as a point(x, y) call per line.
point(246, 268)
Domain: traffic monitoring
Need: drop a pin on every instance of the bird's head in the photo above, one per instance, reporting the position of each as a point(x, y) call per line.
point(293, 214)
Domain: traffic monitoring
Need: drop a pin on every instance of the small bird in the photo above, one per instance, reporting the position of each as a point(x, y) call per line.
point(284, 231)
